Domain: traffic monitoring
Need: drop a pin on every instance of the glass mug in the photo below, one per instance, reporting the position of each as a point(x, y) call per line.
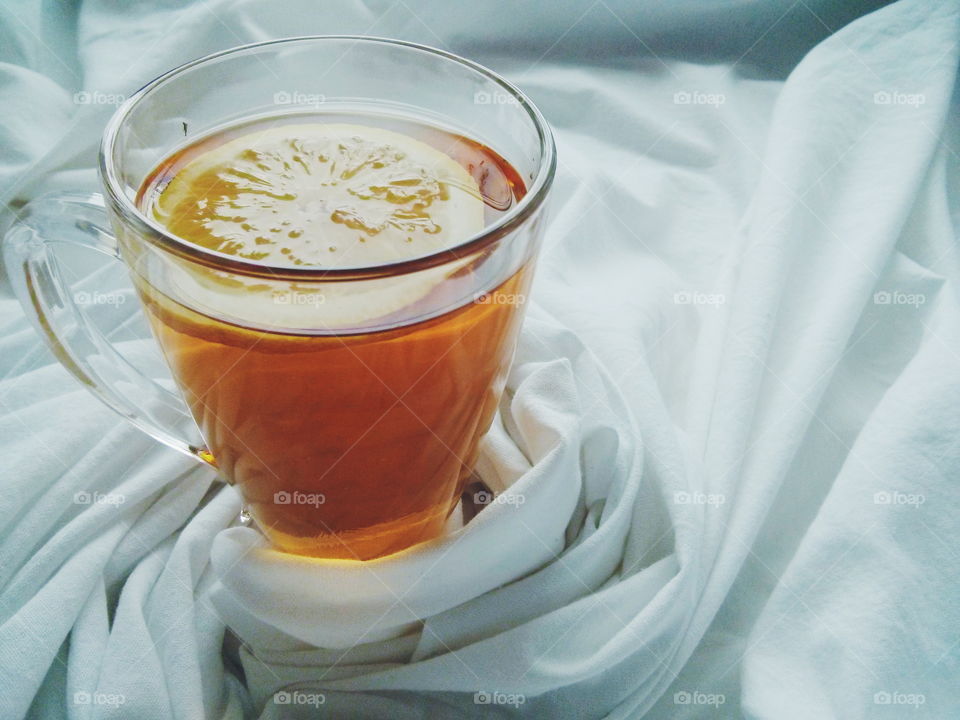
point(347, 415)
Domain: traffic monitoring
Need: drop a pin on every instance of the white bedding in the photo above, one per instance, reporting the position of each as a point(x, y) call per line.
point(733, 422)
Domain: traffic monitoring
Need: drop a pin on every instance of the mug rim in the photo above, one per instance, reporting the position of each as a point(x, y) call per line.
point(156, 234)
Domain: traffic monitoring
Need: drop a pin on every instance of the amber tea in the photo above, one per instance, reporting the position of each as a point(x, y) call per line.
point(352, 438)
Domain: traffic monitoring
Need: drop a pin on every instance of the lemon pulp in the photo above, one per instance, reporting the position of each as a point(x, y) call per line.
point(330, 195)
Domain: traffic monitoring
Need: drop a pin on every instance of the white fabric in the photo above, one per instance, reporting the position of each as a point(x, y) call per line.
point(733, 419)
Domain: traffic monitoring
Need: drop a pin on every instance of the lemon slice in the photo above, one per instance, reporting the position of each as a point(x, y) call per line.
point(318, 195)
point(330, 195)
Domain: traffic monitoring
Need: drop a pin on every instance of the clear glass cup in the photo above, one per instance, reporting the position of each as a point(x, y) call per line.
point(351, 434)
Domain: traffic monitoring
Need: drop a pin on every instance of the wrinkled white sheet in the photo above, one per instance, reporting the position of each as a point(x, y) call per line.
point(733, 419)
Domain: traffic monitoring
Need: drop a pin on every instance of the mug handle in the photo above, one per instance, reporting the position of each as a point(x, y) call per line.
point(80, 219)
